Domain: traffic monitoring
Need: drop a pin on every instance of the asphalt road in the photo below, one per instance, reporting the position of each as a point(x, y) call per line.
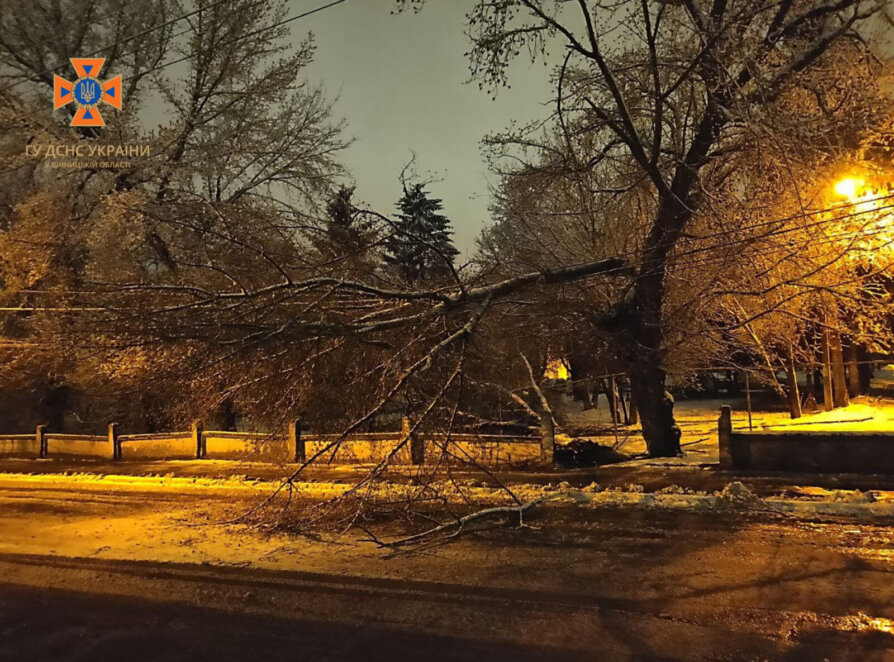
point(90, 575)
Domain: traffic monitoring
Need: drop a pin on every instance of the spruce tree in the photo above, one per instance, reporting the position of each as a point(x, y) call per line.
point(346, 230)
point(421, 245)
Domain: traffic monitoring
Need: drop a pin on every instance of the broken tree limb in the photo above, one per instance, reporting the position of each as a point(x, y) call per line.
point(455, 527)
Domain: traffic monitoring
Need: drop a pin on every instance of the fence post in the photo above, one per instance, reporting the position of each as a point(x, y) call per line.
point(417, 446)
point(114, 441)
point(725, 437)
point(41, 438)
point(296, 442)
point(198, 438)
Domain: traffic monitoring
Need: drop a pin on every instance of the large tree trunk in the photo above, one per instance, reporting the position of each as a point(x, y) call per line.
point(579, 389)
point(645, 356)
point(839, 382)
point(644, 318)
point(656, 409)
point(547, 422)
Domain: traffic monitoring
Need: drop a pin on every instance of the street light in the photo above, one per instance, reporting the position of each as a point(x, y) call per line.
point(849, 187)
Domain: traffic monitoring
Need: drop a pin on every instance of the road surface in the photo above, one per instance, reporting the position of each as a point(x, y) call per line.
point(88, 573)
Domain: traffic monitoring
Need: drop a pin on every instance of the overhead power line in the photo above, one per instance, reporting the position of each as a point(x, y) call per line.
point(126, 40)
point(177, 20)
point(254, 33)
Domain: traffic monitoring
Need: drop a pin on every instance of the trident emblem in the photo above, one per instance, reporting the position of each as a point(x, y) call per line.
point(87, 92)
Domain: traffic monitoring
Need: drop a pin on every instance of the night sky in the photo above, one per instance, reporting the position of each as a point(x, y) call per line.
point(402, 87)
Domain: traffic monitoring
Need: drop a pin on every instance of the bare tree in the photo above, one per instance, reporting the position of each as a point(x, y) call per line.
point(219, 98)
point(655, 94)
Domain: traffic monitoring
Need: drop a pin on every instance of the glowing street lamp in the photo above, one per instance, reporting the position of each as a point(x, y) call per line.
point(869, 216)
point(849, 187)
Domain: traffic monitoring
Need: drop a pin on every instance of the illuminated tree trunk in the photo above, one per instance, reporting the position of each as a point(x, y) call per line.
point(839, 382)
point(794, 396)
point(827, 372)
point(854, 387)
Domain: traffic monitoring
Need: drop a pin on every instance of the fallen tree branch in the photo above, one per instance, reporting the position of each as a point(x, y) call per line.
point(455, 527)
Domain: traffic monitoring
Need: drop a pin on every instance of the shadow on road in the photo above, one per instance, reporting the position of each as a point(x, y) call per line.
point(61, 625)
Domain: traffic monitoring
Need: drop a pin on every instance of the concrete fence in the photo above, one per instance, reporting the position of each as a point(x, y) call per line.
point(812, 451)
point(198, 443)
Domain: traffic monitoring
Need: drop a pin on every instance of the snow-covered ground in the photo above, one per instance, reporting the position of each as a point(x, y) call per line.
point(698, 422)
point(106, 566)
point(802, 502)
point(90, 572)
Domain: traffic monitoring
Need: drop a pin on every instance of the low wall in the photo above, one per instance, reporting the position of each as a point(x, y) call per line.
point(248, 446)
point(491, 450)
point(805, 451)
point(158, 446)
point(358, 449)
point(19, 445)
point(364, 448)
point(78, 445)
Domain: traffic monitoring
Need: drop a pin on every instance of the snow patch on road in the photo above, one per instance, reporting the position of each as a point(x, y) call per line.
point(736, 496)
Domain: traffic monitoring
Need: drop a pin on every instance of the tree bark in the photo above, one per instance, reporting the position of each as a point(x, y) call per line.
point(794, 396)
point(645, 356)
point(839, 382)
point(645, 319)
point(827, 373)
point(656, 409)
point(854, 388)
